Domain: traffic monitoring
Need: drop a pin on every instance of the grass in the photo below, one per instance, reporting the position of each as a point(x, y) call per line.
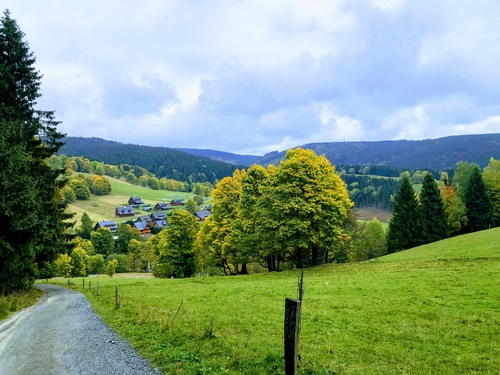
point(17, 301)
point(432, 309)
point(103, 207)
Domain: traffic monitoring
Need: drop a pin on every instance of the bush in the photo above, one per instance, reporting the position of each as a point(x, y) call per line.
point(122, 259)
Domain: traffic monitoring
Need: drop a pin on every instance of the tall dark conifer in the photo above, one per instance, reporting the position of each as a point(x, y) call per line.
point(405, 225)
point(477, 203)
point(434, 219)
point(31, 209)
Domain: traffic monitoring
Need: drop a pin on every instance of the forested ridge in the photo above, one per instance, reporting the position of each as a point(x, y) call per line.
point(162, 161)
point(429, 154)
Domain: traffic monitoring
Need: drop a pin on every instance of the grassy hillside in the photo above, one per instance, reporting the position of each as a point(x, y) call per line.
point(103, 207)
point(433, 309)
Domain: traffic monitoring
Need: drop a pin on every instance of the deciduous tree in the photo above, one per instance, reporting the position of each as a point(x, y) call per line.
point(491, 177)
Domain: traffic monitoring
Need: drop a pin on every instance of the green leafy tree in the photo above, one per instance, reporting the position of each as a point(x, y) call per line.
point(64, 267)
point(134, 255)
point(434, 219)
point(48, 270)
point(122, 264)
point(79, 259)
point(126, 233)
point(103, 241)
point(405, 228)
point(216, 241)
point(491, 177)
point(80, 188)
point(95, 264)
point(477, 203)
point(461, 178)
point(176, 244)
point(68, 194)
point(110, 269)
point(86, 227)
point(370, 242)
point(303, 208)
point(32, 214)
point(191, 206)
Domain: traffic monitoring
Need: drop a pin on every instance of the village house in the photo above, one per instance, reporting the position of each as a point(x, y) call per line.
point(177, 202)
point(143, 227)
point(124, 211)
point(135, 201)
point(202, 215)
point(110, 224)
point(146, 207)
point(162, 206)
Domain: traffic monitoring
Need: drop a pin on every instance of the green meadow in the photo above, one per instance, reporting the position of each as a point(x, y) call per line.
point(434, 309)
point(103, 207)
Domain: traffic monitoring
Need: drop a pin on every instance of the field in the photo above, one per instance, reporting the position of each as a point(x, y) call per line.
point(429, 310)
point(101, 208)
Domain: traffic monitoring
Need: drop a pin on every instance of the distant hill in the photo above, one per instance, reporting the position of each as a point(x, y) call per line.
point(162, 161)
point(437, 154)
point(226, 157)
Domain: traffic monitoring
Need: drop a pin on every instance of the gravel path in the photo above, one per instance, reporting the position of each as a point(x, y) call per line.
point(62, 335)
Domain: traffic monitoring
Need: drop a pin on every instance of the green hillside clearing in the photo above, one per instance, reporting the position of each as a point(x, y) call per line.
point(433, 309)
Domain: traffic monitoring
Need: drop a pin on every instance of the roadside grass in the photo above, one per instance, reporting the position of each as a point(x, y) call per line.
point(432, 309)
point(103, 207)
point(14, 302)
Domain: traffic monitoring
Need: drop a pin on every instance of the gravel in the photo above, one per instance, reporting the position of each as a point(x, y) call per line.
point(61, 334)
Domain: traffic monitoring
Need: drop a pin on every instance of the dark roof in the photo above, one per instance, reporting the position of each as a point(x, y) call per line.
point(162, 206)
point(136, 200)
point(140, 225)
point(110, 224)
point(177, 201)
point(162, 223)
point(158, 216)
point(202, 215)
point(144, 219)
point(125, 210)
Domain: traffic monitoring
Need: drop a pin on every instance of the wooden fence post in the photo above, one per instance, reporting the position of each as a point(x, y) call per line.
point(83, 283)
point(292, 329)
point(90, 285)
point(117, 298)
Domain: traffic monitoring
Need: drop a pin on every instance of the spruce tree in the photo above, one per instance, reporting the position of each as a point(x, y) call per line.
point(32, 208)
point(405, 225)
point(477, 203)
point(434, 218)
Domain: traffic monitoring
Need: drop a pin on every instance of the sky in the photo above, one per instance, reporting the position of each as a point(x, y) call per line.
point(251, 77)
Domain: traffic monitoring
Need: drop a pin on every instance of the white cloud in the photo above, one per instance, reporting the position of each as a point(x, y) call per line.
point(253, 76)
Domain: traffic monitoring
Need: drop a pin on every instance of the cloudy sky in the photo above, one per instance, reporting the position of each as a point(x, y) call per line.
point(256, 76)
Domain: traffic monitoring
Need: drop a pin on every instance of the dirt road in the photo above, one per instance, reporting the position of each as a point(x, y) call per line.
point(62, 335)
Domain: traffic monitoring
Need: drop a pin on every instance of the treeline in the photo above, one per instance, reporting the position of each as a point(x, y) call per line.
point(131, 173)
point(468, 203)
point(429, 154)
point(161, 161)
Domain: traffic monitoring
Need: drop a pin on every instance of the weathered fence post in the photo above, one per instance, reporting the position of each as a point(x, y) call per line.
point(292, 329)
point(292, 325)
point(117, 298)
point(83, 283)
point(98, 289)
point(90, 285)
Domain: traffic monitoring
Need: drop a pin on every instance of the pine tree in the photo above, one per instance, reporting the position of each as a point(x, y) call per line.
point(405, 228)
point(32, 207)
point(477, 203)
point(434, 219)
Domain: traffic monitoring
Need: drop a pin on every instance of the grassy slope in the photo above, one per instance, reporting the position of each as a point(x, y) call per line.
point(103, 207)
point(432, 309)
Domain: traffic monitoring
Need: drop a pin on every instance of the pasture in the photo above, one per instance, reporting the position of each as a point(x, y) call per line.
point(103, 207)
point(431, 309)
